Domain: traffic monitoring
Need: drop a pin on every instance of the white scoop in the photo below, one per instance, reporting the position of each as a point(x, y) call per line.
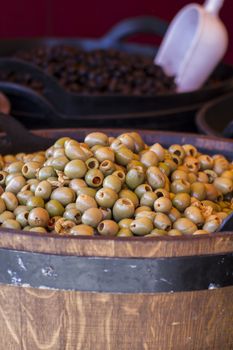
point(194, 43)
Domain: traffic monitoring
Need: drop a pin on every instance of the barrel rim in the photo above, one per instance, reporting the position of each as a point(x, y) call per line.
point(50, 243)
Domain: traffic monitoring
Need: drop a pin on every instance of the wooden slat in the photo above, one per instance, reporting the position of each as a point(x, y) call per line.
point(131, 247)
point(52, 320)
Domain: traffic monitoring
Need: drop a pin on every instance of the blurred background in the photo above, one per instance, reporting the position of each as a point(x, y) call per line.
point(74, 18)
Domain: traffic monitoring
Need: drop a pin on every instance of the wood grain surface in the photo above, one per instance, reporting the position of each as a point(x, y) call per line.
point(56, 320)
point(118, 247)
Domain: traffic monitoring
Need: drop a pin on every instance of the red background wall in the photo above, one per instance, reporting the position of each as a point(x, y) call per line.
point(28, 18)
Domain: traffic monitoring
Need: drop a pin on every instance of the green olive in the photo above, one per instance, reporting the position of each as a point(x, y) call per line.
point(38, 217)
point(178, 150)
point(135, 177)
point(54, 208)
point(220, 165)
point(156, 232)
point(34, 202)
point(106, 213)
point(192, 164)
point(22, 218)
point(107, 167)
point(179, 175)
point(202, 177)
point(123, 208)
point(60, 143)
point(149, 158)
point(75, 169)
point(11, 176)
point(10, 200)
point(15, 167)
point(82, 230)
point(124, 155)
point(12, 224)
point(94, 178)
point(87, 190)
point(181, 201)
point(163, 205)
point(142, 208)
point(195, 215)
point(113, 182)
point(125, 223)
point(198, 190)
point(38, 229)
point(64, 195)
point(146, 214)
point(212, 223)
point(43, 190)
point(174, 232)
point(92, 217)
point(201, 232)
point(223, 184)
point(108, 228)
point(33, 184)
point(74, 150)
point(127, 140)
point(129, 195)
point(84, 202)
point(23, 196)
point(9, 158)
point(59, 152)
point(141, 189)
point(228, 174)
point(124, 232)
point(104, 153)
point(162, 221)
point(92, 163)
point(141, 226)
point(15, 184)
point(73, 214)
point(45, 172)
point(6, 215)
point(76, 184)
point(174, 214)
point(120, 174)
point(59, 163)
point(180, 185)
point(3, 175)
point(205, 161)
point(211, 175)
point(148, 199)
point(106, 197)
point(2, 206)
point(190, 150)
point(165, 168)
point(185, 226)
point(96, 138)
point(30, 169)
point(155, 177)
point(158, 150)
point(138, 142)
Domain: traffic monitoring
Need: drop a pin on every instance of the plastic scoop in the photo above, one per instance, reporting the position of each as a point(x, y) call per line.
point(195, 42)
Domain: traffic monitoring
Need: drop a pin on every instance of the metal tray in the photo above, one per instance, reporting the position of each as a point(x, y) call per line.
point(216, 117)
point(74, 108)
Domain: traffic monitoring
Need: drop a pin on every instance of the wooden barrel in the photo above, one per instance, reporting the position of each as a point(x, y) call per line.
point(125, 293)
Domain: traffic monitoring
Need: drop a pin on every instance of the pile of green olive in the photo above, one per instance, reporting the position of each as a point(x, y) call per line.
point(122, 187)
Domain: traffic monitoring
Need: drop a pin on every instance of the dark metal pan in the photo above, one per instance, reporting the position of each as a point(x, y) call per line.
point(71, 106)
point(40, 114)
point(216, 117)
point(16, 138)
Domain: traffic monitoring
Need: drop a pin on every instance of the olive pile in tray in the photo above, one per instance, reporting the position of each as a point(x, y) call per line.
point(100, 71)
point(115, 187)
